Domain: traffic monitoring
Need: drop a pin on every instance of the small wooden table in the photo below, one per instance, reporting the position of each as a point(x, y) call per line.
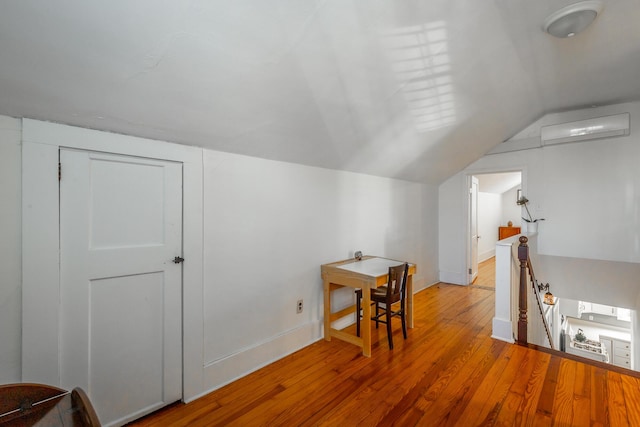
point(369, 273)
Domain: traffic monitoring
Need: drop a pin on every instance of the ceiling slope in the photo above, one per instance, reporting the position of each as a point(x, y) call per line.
point(415, 90)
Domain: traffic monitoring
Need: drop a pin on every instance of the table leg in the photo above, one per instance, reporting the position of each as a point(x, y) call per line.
point(327, 310)
point(410, 301)
point(366, 322)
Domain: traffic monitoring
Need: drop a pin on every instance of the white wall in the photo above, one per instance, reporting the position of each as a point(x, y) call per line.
point(268, 227)
point(510, 210)
point(41, 142)
point(10, 246)
point(452, 223)
point(489, 219)
point(589, 193)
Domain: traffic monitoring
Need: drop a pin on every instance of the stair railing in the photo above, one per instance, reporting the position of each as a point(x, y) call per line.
point(527, 275)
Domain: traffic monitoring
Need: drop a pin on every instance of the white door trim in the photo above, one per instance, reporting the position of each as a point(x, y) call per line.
point(468, 173)
point(41, 142)
point(473, 198)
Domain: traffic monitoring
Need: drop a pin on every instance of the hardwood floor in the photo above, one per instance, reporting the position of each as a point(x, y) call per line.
point(486, 274)
point(449, 371)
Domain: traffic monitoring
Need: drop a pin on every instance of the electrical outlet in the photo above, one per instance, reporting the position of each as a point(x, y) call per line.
point(299, 306)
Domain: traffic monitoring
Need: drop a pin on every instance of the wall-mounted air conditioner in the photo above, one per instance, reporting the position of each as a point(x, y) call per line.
point(582, 130)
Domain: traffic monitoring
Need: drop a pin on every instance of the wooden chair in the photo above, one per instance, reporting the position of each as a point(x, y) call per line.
point(45, 406)
point(393, 292)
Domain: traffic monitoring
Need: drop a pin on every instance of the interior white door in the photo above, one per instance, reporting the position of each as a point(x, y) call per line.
point(473, 227)
point(121, 292)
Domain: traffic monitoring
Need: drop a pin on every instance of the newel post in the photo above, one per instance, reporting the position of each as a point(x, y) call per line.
point(523, 256)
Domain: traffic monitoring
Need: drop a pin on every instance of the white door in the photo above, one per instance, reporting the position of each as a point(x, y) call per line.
point(120, 291)
point(473, 228)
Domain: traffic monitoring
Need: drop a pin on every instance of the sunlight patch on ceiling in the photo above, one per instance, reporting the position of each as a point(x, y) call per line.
point(420, 61)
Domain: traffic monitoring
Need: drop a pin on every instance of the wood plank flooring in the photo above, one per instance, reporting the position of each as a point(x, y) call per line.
point(449, 372)
point(486, 274)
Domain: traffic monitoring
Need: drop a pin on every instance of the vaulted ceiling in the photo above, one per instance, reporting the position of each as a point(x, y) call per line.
point(408, 89)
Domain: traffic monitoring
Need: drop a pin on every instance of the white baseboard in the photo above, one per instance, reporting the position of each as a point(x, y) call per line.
point(502, 330)
point(221, 372)
point(424, 286)
point(487, 255)
point(453, 277)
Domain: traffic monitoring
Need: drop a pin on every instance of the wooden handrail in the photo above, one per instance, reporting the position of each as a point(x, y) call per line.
point(536, 291)
point(525, 264)
point(523, 257)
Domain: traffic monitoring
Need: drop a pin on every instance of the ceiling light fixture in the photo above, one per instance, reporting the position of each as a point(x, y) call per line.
point(570, 20)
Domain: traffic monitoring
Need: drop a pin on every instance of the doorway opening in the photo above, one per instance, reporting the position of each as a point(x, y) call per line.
point(493, 213)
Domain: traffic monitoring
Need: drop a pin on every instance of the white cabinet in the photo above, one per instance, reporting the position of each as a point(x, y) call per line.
point(619, 351)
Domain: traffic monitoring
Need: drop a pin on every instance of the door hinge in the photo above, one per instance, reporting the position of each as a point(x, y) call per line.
point(470, 271)
point(178, 260)
point(59, 171)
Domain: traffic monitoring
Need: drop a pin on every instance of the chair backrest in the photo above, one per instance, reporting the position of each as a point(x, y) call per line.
point(396, 286)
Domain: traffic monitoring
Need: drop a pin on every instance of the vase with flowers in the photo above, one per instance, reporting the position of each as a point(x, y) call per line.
point(532, 224)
